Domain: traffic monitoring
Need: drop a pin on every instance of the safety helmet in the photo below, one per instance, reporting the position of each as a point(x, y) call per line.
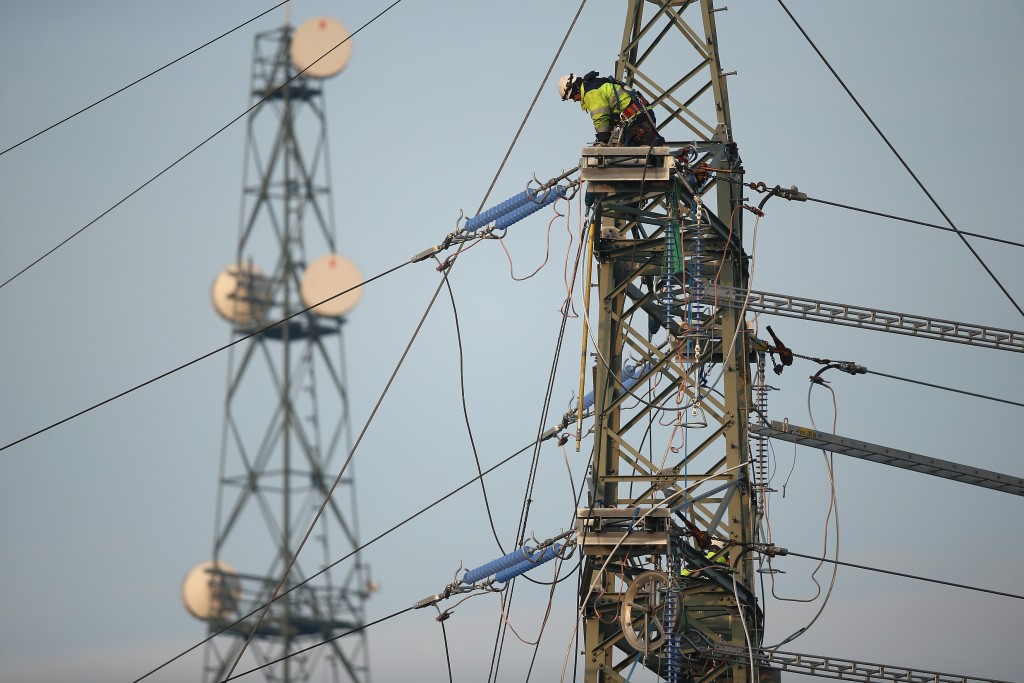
point(566, 84)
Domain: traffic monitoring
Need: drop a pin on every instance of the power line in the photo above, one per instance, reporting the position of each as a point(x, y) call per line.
point(939, 386)
point(313, 647)
point(342, 559)
point(902, 161)
point(915, 222)
point(200, 358)
point(529, 110)
point(908, 576)
point(847, 367)
point(327, 498)
point(139, 80)
point(465, 415)
point(189, 153)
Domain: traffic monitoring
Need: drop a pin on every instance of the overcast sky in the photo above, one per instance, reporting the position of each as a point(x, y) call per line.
point(104, 515)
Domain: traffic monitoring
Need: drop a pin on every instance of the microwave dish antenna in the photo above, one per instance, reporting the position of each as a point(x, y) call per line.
point(241, 293)
point(325, 278)
point(211, 590)
point(321, 47)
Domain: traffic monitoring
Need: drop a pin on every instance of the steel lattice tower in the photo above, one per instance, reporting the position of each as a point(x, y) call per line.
point(286, 417)
point(669, 351)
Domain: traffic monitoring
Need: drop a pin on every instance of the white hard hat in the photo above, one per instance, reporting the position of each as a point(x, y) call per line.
point(565, 85)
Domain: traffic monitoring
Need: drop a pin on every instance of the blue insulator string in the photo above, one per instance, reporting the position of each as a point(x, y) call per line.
point(534, 205)
point(518, 555)
point(517, 208)
point(506, 575)
point(482, 219)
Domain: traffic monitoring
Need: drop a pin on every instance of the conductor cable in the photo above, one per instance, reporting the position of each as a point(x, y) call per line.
point(341, 472)
point(200, 358)
point(220, 130)
point(139, 80)
point(910, 576)
point(903, 162)
point(313, 647)
point(342, 559)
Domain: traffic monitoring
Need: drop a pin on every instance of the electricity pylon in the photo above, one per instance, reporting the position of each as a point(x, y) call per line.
point(286, 416)
point(673, 506)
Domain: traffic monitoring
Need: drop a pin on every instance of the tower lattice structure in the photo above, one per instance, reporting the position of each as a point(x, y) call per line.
point(286, 412)
point(673, 506)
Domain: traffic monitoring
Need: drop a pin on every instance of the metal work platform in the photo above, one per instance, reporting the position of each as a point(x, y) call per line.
point(632, 164)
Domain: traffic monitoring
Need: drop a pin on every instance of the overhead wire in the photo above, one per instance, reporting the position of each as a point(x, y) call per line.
point(465, 414)
point(915, 222)
point(822, 361)
point(139, 80)
point(832, 507)
point(909, 576)
point(341, 472)
point(495, 657)
point(316, 645)
point(199, 359)
point(441, 618)
point(220, 130)
point(944, 388)
point(529, 110)
point(343, 558)
point(906, 166)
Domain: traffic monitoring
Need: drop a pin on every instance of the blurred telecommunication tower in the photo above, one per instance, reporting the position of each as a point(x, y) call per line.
point(286, 419)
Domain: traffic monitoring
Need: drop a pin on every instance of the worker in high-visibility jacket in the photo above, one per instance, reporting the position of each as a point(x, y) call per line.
point(611, 104)
point(717, 554)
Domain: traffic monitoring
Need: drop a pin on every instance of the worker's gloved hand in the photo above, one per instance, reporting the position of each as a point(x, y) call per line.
point(597, 143)
point(603, 138)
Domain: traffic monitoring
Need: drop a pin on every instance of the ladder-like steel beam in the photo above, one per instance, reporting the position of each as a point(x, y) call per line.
point(873, 319)
point(891, 456)
point(843, 669)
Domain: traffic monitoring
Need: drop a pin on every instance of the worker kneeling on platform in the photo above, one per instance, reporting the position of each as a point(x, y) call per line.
point(611, 104)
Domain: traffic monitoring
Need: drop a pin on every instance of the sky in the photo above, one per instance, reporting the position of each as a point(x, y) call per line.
point(106, 513)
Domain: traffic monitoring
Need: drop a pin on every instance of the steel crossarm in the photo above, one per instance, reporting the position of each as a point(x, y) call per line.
point(843, 669)
point(873, 319)
point(891, 456)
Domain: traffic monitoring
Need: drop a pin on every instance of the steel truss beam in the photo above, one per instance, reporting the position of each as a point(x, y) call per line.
point(873, 319)
point(891, 456)
point(843, 669)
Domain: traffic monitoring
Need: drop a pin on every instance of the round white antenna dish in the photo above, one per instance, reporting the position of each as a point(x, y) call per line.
point(241, 293)
point(211, 590)
point(327, 276)
point(320, 48)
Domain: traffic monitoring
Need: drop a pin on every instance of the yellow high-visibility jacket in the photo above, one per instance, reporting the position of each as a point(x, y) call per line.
point(604, 101)
point(721, 559)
